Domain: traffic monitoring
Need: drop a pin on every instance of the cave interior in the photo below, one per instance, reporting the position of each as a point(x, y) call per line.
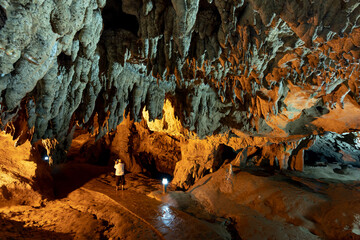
point(249, 109)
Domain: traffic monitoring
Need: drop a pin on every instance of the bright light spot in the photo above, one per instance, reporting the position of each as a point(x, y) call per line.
point(167, 216)
point(164, 181)
point(46, 158)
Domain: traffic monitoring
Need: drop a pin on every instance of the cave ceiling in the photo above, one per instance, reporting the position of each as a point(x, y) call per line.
point(274, 68)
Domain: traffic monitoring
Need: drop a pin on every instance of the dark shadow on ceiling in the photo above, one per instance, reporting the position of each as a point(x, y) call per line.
point(115, 18)
point(65, 61)
point(3, 17)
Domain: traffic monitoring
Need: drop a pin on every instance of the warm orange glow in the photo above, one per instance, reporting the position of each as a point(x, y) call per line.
point(14, 160)
point(168, 124)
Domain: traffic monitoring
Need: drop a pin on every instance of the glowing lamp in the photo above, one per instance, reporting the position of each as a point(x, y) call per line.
point(46, 158)
point(164, 181)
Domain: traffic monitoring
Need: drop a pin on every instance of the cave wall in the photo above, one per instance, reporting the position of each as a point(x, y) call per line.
point(255, 71)
point(330, 148)
point(24, 177)
point(163, 146)
point(142, 150)
point(249, 65)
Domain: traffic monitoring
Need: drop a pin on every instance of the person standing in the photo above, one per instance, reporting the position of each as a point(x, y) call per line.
point(119, 174)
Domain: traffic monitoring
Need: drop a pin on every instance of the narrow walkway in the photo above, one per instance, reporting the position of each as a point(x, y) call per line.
point(167, 222)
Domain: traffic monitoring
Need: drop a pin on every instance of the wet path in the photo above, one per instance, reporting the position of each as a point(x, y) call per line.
point(166, 221)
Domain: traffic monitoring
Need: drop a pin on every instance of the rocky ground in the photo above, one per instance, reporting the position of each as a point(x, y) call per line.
point(260, 68)
point(96, 211)
point(284, 205)
point(248, 204)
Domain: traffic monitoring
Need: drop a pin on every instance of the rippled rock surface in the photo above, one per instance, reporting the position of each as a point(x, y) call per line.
point(260, 68)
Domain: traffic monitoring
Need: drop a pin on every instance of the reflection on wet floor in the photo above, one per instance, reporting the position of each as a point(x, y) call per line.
point(166, 221)
point(167, 215)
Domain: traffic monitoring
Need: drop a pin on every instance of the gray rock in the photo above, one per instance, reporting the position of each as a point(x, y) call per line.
point(265, 68)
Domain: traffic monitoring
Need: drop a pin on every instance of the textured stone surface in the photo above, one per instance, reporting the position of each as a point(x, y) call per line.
point(24, 178)
point(334, 148)
point(259, 68)
point(282, 205)
point(164, 146)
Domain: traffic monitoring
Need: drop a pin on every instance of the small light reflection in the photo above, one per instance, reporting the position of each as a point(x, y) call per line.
point(167, 216)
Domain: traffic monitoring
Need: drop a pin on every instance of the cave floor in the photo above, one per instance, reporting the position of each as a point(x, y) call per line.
point(166, 221)
point(88, 207)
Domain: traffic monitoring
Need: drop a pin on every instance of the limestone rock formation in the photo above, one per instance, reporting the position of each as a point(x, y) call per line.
point(234, 64)
point(243, 68)
point(285, 206)
point(24, 178)
point(334, 148)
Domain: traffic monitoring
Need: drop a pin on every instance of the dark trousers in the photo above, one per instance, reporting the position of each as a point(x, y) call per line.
point(120, 179)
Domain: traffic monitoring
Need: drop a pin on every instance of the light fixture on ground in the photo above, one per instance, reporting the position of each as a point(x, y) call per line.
point(164, 183)
point(46, 158)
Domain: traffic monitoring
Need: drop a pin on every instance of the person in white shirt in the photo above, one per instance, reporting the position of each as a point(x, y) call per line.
point(119, 173)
